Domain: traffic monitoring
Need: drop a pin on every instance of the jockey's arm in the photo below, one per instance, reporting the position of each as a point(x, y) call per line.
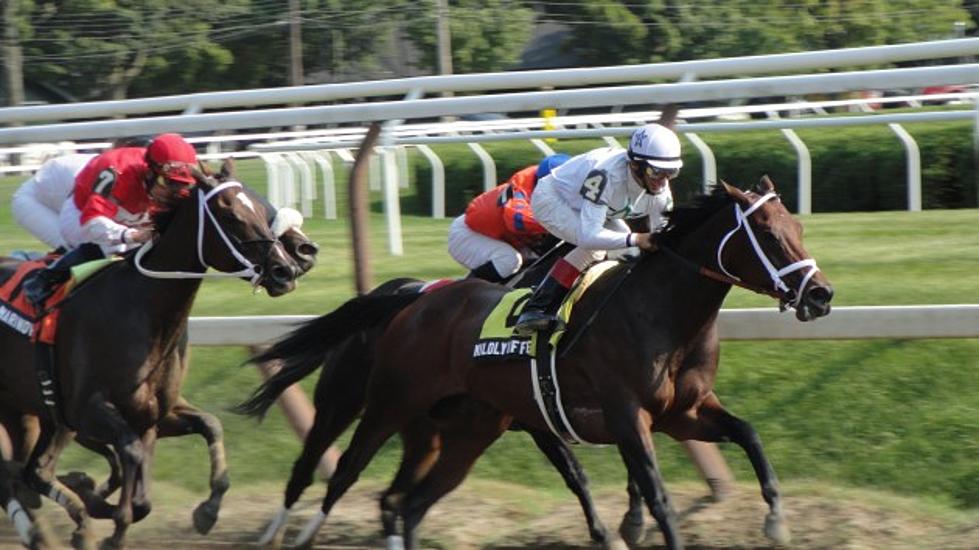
point(592, 233)
point(98, 226)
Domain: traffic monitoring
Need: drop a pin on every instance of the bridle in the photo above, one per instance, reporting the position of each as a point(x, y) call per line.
point(786, 295)
point(250, 272)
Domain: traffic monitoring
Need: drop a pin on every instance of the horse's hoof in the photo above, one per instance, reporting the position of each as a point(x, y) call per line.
point(776, 530)
point(111, 543)
point(631, 531)
point(205, 516)
point(395, 542)
point(82, 540)
point(615, 544)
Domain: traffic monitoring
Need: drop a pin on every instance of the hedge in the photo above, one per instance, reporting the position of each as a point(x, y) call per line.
point(853, 169)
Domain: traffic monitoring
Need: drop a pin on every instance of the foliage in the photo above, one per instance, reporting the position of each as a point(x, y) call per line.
point(624, 32)
point(853, 169)
point(98, 49)
point(487, 35)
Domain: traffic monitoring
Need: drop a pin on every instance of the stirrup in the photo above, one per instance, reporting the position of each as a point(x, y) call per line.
point(530, 322)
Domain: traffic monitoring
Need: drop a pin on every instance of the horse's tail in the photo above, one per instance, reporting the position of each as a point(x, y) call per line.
point(307, 348)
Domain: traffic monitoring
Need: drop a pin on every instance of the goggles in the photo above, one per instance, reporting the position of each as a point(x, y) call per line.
point(655, 172)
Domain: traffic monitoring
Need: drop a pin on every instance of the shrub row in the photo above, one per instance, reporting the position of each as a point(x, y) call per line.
point(853, 168)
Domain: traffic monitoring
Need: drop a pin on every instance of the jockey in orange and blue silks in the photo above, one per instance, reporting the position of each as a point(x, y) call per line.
point(499, 230)
point(110, 207)
point(586, 202)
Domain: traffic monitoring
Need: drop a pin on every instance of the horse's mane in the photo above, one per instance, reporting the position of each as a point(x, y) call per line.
point(684, 219)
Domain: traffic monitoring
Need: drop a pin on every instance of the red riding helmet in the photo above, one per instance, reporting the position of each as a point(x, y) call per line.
point(172, 157)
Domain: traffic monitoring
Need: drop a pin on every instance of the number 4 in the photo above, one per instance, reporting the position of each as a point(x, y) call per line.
point(592, 187)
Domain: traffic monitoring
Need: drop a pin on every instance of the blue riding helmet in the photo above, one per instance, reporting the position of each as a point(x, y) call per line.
point(549, 163)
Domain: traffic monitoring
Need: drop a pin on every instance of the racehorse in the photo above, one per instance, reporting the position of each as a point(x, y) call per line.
point(120, 378)
point(184, 418)
point(645, 358)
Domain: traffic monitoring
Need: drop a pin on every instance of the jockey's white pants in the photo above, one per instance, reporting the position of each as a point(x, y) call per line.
point(36, 207)
point(472, 249)
point(562, 221)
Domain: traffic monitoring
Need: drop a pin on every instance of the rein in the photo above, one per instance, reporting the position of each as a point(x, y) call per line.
point(249, 271)
point(776, 274)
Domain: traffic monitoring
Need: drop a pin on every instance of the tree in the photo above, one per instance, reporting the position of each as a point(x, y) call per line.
point(99, 49)
point(487, 35)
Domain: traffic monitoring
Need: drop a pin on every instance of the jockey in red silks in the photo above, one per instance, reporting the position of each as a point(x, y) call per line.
point(111, 203)
point(498, 229)
point(586, 202)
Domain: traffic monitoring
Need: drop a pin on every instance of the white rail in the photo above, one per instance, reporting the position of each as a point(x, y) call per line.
point(708, 68)
point(509, 102)
point(844, 323)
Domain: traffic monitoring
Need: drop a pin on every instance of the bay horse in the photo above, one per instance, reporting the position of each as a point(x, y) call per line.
point(183, 418)
point(340, 395)
point(120, 378)
point(645, 357)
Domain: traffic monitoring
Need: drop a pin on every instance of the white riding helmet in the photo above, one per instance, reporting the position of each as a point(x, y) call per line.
point(657, 145)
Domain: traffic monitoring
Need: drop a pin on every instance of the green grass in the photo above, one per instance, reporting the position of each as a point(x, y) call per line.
point(897, 416)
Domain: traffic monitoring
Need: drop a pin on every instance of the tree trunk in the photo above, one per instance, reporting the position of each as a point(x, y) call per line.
point(13, 59)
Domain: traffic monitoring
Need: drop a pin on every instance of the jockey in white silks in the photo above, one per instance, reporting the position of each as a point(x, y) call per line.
point(586, 201)
point(37, 201)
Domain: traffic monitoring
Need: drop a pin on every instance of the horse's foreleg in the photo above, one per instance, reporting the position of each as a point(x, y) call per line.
point(631, 429)
point(462, 444)
point(39, 475)
point(574, 476)
point(631, 527)
point(713, 423)
point(330, 421)
point(186, 419)
point(101, 421)
point(376, 427)
point(421, 445)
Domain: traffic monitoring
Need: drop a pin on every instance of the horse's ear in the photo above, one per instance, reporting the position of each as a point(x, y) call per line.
point(667, 116)
point(201, 177)
point(734, 192)
point(227, 171)
point(766, 185)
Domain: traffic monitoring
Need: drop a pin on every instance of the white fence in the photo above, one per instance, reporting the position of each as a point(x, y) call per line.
point(844, 323)
point(708, 68)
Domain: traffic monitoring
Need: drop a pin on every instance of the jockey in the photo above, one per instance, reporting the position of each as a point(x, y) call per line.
point(111, 203)
point(38, 200)
point(586, 202)
point(498, 229)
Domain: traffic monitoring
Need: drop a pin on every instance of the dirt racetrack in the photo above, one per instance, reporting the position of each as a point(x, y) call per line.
point(490, 515)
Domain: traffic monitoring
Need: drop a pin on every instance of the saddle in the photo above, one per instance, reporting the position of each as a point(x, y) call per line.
point(40, 326)
point(497, 342)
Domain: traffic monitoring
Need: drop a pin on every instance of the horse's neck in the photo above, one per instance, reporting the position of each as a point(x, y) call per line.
point(174, 250)
point(690, 299)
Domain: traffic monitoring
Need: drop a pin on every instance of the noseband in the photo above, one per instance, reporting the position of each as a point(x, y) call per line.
point(788, 296)
point(249, 271)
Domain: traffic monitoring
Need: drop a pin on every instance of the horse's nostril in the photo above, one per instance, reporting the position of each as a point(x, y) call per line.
point(821, 295)
point(308, 249)
point(281, 274)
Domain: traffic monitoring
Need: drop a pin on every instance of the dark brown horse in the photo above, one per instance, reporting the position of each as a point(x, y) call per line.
point(340, 397)
point(120, 377)
point(645, 358)
point(184, 418)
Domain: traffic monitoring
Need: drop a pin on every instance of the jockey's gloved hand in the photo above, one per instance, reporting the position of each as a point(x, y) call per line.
point(646, 242)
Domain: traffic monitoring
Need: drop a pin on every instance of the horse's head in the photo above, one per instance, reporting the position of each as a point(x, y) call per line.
point(230, 233)
point(764, 249)
point(286, 223)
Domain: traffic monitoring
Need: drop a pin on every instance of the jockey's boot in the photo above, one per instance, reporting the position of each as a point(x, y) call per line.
point(541, 310)
point(486, 272)
point(38, 286)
